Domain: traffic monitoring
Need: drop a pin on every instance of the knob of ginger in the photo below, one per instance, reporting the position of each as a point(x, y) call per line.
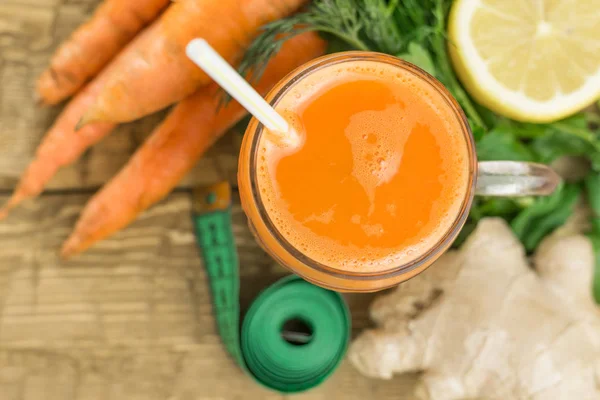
point(481, 323)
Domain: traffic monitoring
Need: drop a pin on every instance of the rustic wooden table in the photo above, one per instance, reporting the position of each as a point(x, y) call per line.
point(130, 319)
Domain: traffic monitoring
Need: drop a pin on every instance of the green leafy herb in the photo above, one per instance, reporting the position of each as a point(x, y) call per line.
point(502, 144)
point(595, 238)
point(545, 215)
point(417, 55)
point(592, 186)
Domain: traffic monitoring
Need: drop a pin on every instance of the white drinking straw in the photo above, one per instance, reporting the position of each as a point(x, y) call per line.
point(203, 55)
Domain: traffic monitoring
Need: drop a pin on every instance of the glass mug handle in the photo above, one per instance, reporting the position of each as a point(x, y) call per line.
point(515, 179)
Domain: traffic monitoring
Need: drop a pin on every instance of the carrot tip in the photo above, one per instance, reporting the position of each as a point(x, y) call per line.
point(38, 100)
point(69, 249)
point(14, 201)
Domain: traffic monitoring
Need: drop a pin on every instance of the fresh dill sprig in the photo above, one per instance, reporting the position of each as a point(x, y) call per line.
point(388, 26)
point(337, 17)
point(362, 24)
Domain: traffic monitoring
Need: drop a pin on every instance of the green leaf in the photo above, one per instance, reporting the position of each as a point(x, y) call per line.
point(569, 137)
point(417, 55)
point(555, 144)
point(547, 142)
point(578, 121)
point(592, 187)
point(478, 131)
point(500, 144)
point(488, 117)
point(380, 28)
point(553, 220)
point(499, 207)
point(542, 206)
point(545, 215)
point(335, 44)
point(595, 239)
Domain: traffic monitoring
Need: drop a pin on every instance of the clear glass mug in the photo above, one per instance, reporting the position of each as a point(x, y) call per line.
point(497, 178)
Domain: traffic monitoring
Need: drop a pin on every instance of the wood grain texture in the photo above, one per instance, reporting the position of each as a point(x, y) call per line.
point(30, 31)
point(132, 318)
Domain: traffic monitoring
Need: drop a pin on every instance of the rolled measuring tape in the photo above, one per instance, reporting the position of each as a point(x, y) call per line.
point(294, 335)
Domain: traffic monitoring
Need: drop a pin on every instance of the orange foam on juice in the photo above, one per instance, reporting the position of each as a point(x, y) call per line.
point(381, 172)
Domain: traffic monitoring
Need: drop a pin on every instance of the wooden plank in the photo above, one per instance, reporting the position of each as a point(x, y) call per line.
point(132, 318)
point(30, 31)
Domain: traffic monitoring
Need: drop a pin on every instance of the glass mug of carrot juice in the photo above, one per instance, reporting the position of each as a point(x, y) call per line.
point(382, 181)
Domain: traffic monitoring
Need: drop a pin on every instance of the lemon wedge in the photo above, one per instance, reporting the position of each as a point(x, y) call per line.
point(531, 60)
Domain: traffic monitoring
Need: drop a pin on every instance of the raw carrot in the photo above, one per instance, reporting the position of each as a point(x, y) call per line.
point(63, 143)
point(154, 71)
point(61, 146)
point(173, 149)
point(94, 44)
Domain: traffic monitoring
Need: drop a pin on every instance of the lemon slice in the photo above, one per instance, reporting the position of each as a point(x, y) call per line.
point(531, 60)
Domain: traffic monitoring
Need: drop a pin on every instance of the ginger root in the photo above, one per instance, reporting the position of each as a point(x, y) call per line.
point(482, 324)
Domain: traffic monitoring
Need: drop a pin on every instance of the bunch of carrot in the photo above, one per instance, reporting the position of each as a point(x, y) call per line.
point(120, 69)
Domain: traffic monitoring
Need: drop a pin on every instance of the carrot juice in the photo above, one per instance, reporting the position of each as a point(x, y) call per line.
point(379, 178)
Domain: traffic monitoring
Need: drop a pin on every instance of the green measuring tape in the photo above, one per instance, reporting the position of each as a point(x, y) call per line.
point(294, 335)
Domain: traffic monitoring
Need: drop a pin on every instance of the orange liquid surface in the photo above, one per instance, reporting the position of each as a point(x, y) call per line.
point(381, 172)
